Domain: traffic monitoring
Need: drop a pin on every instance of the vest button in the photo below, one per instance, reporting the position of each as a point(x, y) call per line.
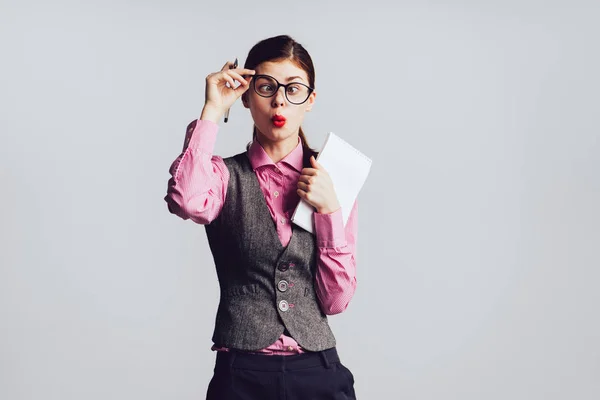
point(282, 286)
point(283, 305)
point(283, 267)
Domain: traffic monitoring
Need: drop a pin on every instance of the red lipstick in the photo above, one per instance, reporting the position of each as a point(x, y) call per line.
point(278, 120)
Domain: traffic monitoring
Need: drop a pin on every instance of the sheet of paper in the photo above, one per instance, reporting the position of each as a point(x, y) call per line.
point(348, 169)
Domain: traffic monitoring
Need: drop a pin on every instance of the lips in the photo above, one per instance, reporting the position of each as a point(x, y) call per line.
point(278, 120)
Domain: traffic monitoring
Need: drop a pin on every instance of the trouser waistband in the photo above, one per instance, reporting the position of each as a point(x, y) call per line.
point(262, 362)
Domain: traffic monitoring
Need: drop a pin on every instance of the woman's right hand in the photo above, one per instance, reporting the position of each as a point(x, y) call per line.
point(218, 96)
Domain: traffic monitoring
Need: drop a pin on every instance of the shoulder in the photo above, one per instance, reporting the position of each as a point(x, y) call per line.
point(239, 160)
point(237, 157)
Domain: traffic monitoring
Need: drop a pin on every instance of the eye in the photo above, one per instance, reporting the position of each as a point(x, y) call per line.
point(265, 88)
point(293, 89)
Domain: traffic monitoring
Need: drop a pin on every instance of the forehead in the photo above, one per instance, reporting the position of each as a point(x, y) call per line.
point(281, 70)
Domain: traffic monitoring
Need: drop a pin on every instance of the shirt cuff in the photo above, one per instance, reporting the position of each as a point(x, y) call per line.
point(329, 229)
point(203, 136)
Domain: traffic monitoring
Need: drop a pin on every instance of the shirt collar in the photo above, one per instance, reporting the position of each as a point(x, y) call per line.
point(259, 157)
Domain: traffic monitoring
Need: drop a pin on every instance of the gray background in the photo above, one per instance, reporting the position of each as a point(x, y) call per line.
point(478, 226)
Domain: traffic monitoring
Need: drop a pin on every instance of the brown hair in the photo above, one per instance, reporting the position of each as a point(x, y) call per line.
point(280, 48)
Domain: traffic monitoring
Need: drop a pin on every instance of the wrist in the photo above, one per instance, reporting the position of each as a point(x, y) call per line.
point(326, 210)
point(210, 113)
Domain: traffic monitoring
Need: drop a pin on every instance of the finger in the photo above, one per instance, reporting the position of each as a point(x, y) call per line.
point(303, 186)
point(229, 79)
point(237, 76)
point(304, 179)
point(302, 194)
point(242, 88)
point(224, 76)
point(309, 171)
point(245, 71)
point(218, 77)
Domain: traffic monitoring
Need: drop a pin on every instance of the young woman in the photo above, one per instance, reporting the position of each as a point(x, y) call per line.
point(277, 281)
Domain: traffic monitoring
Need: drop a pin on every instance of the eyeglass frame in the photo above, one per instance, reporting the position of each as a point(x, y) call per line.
point(254, 79)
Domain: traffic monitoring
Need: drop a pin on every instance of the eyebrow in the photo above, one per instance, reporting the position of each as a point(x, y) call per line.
point(294, 77)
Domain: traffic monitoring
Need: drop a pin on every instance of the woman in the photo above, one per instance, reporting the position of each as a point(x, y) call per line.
point(278, 282)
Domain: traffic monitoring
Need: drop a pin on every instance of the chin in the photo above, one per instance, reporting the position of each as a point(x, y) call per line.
point(273, 133)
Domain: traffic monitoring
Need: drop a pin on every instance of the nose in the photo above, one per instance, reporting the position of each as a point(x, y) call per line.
point(278, 98)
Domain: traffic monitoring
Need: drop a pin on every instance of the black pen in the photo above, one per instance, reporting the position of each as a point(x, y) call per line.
point(234, 66)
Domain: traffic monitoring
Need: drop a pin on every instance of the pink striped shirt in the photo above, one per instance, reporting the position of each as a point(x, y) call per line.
point(197, 190)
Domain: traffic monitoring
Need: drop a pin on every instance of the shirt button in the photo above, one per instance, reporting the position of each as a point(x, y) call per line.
point(283, 305)
point(282, 286)
point(283, 220)
point(290, 348)
point(276, 193)
point(283, 267)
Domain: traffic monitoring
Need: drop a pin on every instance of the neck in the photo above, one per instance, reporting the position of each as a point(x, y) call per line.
point(277, 150)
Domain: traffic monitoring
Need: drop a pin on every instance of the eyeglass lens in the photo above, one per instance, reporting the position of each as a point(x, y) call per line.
point(295, 92)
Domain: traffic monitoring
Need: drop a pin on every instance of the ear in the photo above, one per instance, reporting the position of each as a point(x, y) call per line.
point(245, 100)
point(311, 100)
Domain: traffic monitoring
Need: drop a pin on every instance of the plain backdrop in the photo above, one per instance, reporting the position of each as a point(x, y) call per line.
point(478, 245)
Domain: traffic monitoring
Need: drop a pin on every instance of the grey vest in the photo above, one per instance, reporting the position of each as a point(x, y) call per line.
point(265, 287)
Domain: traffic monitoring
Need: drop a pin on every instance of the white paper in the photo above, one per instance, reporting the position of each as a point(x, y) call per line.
point(348, 169)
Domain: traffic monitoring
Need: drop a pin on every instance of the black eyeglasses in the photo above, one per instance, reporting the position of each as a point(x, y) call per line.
point(267, 86)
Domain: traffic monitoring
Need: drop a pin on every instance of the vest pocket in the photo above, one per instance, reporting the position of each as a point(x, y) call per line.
point(241, 290)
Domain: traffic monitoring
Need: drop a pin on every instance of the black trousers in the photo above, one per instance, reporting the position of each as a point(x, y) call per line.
point(307, 376)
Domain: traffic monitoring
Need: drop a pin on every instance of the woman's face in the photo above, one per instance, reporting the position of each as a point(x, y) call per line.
point(267, 111)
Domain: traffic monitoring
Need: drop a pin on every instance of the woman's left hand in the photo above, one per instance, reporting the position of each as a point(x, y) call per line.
point(315, 186)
